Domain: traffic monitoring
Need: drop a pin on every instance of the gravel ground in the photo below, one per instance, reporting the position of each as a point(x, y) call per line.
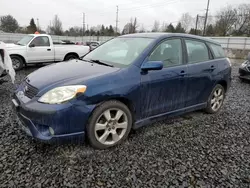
point(195, 150)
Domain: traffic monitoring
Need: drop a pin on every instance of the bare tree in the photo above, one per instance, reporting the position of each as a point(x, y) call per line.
point(56, 27)
point(142, 29)
point(187, 21)
point(156, 26)
point(164, 27)
point(133, 25)
point(226, 19)
point(243, 19)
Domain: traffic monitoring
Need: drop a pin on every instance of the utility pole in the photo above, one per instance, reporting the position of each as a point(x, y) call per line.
point(116, 27)
point(196, 24)
point(37, 24)
point(83, 25)
point(205, 22)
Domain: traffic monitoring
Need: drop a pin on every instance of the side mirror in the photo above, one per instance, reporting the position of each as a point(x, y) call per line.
point(152, 65)
point(32, 45)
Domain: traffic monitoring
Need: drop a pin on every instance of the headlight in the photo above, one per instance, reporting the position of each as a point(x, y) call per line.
point(61, 94)
point(244, 64)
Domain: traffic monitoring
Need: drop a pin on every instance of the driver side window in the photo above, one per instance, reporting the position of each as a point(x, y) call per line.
point(41, 41)
point(169, 52)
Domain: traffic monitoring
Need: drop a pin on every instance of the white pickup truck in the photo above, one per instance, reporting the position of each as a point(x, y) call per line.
point(39, 48)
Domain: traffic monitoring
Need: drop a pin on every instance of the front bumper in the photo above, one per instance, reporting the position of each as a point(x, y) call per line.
point(244, 73)
point(66, 120)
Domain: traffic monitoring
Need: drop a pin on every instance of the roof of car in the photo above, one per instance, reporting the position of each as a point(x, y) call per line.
point(157, 35)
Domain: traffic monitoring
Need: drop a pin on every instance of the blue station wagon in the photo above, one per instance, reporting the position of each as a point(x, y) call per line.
point(125, 83)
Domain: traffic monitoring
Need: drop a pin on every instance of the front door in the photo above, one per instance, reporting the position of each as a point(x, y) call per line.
point(40, 50)
point(163, 91)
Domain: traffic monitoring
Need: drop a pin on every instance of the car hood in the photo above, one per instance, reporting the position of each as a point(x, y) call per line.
point(61, 73)
point(12, 46)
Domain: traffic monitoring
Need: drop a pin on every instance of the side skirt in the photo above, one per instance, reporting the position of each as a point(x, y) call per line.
point(150, 120)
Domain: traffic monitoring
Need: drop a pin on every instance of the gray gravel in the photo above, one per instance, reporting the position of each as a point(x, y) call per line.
point(195, 150)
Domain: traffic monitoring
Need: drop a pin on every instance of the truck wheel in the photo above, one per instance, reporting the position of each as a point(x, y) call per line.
point(109, 125)
point(17, 62)
point(70, 57)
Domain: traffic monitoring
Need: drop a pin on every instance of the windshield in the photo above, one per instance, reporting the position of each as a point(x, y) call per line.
point(25, 40)
point(119, 52)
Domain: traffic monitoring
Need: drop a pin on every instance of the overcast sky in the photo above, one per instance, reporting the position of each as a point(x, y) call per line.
point(104, 12)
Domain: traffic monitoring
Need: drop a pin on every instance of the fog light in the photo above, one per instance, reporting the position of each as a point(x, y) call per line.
point(52, 132)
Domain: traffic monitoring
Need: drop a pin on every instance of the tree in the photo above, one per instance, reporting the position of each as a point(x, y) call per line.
point(142, 29)
point(170, 28)
point(226, 18)
point(131, 27)
point(56, 27)
point(210, 30)
point(8, 24)
point(242, 23)
point(32, 27)
point(111, 31)
point(179, 28)
point(164, 27)
point(187, 21)
point(156, 26)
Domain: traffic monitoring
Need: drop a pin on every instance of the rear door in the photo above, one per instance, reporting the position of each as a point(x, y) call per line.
point(42, 51)
point(163, 91)
point(201, 72)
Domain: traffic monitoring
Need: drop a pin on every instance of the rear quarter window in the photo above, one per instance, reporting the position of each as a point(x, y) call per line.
point(217, 50)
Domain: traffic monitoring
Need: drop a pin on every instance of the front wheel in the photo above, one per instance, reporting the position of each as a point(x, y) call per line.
point(17, 62)
point(70, 57)
point(216, 99)
point(109, 125)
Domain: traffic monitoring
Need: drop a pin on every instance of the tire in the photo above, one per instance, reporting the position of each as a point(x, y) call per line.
point(70, 57)
point(17, 62)
point(109, 133)
point(219, 99)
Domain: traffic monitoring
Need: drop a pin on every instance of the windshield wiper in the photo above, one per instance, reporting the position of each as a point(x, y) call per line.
point(19, 44)
point(100, 62)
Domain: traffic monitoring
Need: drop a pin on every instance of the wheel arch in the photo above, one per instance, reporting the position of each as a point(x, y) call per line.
point(71, 53)
point(123, 100)
point(224, 84)
point(18, 55)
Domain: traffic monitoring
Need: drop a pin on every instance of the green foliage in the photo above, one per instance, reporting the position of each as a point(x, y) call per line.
point(8, 24)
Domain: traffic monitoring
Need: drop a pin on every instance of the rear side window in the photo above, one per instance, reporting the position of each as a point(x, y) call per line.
point(197, 51)
point(217, 50)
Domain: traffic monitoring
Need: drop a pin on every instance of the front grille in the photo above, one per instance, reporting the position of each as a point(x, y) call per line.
point(30, 91)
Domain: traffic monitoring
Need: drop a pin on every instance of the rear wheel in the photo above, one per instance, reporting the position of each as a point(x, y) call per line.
point(71, 57)
point(109, 125)
point(216, 99)
point(17, 62)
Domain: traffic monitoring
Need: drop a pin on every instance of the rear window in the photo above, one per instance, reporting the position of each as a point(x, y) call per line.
point(217, 50)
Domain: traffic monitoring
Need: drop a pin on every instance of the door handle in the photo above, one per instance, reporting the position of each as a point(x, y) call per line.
point(48, 49)
point(182, 73)
point(212, 67)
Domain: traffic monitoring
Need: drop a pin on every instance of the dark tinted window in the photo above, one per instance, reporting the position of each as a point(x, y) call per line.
point(41, 41)
point(169, 51)
point(197, 51)
point(217, 50)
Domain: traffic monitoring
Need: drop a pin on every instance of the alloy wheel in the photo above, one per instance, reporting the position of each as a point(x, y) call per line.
point(111, 126)
point(217, 99)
